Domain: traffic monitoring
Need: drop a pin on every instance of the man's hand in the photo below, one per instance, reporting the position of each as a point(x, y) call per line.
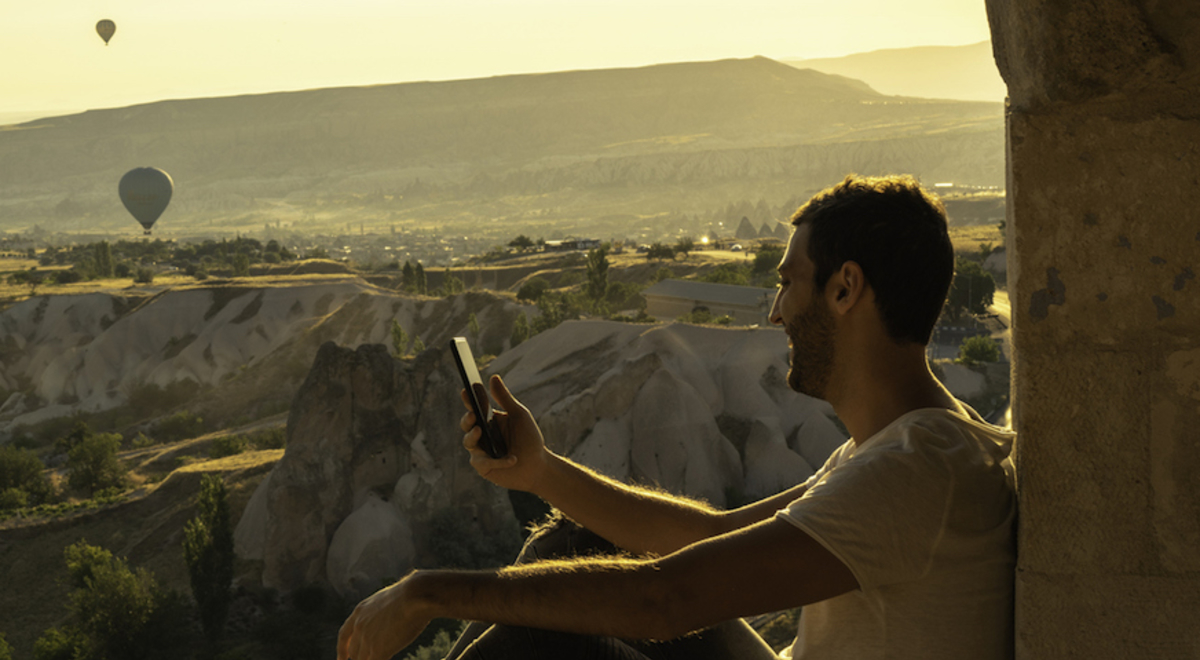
point(526, 462)
point(382, 624)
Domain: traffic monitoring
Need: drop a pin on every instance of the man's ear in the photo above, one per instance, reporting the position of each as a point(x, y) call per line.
point(846, 287)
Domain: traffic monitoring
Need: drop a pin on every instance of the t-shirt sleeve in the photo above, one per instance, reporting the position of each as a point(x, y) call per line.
point(882, 512)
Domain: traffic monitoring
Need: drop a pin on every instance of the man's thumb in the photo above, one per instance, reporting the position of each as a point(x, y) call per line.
point(500, 393)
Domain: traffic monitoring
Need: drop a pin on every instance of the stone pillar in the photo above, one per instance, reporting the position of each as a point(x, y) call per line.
point(1104, 216)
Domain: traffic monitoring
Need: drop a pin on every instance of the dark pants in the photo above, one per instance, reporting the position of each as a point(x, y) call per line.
point(732, 640)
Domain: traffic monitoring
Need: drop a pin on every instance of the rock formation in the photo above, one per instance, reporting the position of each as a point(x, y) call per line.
point(63, 354)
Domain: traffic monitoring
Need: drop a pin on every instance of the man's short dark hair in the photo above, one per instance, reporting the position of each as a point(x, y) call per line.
point(897, 232)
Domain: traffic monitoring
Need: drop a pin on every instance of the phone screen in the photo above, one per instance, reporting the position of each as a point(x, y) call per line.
point(491, 441)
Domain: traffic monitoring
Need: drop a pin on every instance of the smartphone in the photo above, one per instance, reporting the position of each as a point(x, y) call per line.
point(491, 441)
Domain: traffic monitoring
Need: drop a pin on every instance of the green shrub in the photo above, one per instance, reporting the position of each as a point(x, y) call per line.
point(22, 472)
point(702, 316)
point(13, 498)
point(533, 289)
point(399, 340)
point(978, 349)
point(143, 276)
point(767, 260)
point(227, 445)
point(60, 644)
point(443, 641)
point(728, 273)
point(93, 465)
point(660, 251)
point(180, 426)
point(272, 438)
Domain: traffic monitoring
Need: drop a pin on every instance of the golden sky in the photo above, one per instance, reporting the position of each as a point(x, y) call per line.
point(54, 62)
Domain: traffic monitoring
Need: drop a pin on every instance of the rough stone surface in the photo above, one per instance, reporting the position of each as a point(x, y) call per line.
point(1107, 616)
point(367, 426)
point(371, 547)
point(1104, 180)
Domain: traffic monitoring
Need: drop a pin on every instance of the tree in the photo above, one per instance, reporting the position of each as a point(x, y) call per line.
point(241, 264)
point(22, 472)
point(659, 252)
point(597, 274)
point(93, 465)
point(408, 277)
point(114, 610)
point(420, 279)
point(978, 349)
point(473, 328)
point(971, 291)
point(143, 275)
point(418, 345)
point(684, 246)
point(102, 259)
point(453, 283)
point(533, 289)
point(208, 551)
point(521, 242)
point(399, 340)
point(767, 259)
point(728, 273)
point(5, 649)
point(520, 331)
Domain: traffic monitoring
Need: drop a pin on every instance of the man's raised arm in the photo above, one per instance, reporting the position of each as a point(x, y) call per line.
point(639, 520)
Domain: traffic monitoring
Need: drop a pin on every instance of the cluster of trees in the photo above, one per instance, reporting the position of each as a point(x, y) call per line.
point(92, 469)
point(412, 278)
point(972, 290)
point(139, 259)
point(119, 613)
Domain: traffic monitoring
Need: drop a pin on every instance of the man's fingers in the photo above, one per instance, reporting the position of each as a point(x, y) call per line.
point(467, 422)
point(471, 438)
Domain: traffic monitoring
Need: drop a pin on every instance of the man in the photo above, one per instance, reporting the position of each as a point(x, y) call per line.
point(901, 546)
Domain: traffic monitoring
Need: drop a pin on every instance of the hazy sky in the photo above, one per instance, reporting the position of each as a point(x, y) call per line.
point(53, 60)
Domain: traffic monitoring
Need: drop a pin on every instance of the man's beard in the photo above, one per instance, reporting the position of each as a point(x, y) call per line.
point(811, 334)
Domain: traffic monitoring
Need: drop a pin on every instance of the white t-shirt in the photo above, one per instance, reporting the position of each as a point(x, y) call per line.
point(922, 513)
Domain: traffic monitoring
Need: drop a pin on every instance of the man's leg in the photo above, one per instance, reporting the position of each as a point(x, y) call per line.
point(731, 640)
point(515, 643)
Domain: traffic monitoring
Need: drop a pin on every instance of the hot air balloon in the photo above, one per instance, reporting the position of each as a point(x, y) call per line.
point(146, 191)
point(105, 29)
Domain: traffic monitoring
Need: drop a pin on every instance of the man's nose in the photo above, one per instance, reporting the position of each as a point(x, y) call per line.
point(776, 318)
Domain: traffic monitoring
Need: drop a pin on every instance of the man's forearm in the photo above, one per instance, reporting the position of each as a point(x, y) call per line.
point(624, 598)
point(639, 520)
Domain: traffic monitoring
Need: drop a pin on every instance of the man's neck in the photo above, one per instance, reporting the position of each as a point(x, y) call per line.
point(873, 391)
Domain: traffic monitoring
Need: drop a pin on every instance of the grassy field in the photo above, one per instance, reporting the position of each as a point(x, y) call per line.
point(969, 239)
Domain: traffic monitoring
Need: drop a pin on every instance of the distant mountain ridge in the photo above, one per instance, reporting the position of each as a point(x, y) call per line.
point(965, 73)
point(467, 139)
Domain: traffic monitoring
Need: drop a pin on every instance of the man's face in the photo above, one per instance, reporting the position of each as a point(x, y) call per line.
point(806, 318)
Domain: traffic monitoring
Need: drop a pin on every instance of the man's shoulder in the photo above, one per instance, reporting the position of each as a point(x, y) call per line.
point(940, 431)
